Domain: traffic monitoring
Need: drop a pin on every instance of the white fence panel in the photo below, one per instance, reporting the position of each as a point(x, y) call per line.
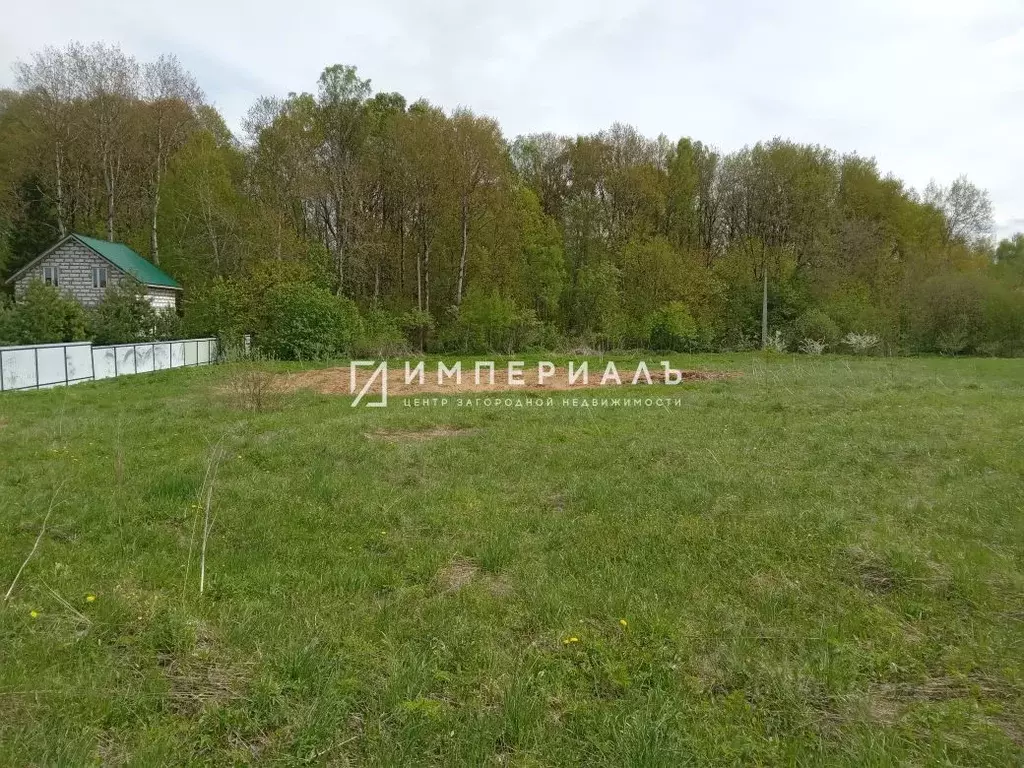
point(104, 362)
point(177, 354)
point(19, 368)
point(124, 360)
point(79, 359)
point(50, 371)
point(53, 365)
point(143, 358)
point(161, 356)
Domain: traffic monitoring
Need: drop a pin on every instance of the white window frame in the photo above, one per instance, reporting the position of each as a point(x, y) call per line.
point(100, 277)
point(51, 275)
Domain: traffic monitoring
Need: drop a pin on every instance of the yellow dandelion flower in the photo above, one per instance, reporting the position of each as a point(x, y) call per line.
point(90, 598)
point(623, 622)
point(34, 614)
point(570, 640)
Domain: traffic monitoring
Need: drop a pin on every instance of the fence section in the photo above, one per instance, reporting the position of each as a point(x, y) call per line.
point(40, 366)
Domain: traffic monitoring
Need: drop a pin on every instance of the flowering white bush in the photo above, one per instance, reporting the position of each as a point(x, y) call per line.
point(812, 346)
point(861, 342)
point(776, 343)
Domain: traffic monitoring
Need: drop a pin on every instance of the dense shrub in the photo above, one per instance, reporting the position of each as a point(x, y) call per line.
point(43, 315)
point(7, 320)
point(418, 325)
point(815, 324)
point(168, 326)
point(674, 329)
point(490, 322)
point(852, 309)
point(380, 335)
point(221, 308)
point(125, 315)
point(301, 321)
point(968, 313)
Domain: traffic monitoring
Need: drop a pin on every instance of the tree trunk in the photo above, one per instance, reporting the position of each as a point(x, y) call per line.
point(154, 249)
point(401, 253)
point(426, 276)
point(60, 191)
point(465, 246)
point(419, 281)
point(764, 308)
point(108, 180)
point(339, 238)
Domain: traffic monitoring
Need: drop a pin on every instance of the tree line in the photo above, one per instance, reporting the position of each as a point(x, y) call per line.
point(431, 228)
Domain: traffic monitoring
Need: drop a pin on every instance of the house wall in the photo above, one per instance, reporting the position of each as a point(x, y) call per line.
point(162, 298)
point(74, 263)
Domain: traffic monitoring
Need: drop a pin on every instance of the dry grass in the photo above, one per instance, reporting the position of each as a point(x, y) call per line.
point(461, 572)
point(253, 388)
point(457, 574)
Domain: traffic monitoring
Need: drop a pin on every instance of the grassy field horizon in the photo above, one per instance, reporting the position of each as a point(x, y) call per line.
point(818, 561)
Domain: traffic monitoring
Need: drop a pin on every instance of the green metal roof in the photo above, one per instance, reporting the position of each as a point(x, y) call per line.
point(125, 258)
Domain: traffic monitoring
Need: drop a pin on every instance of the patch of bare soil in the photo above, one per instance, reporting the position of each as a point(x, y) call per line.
point(887, 703)
point(337, 381)
point(203, 677)
point(460, 573)
point(417, 435)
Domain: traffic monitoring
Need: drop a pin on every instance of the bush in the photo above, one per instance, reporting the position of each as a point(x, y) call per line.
point(490, 322)
point(967, 312)
point(674, 329)
point(776, 342)
point(221, 308)
point(7, 320)
point(125, 315)
point(815, 324)
point(861, 343)
point(168, 326)
point(812, 347)
point(381, 336)
point(301, 321)
point(43, 315)
point(418, 325)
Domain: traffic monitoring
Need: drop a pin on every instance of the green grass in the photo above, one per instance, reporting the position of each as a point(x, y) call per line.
point(821, 561)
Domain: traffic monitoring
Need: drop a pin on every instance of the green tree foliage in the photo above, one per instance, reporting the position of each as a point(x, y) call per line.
point(489, 322)
point(673, 328)
point(410, 212)
point(303, 321)
point(43, 315)
point(124, 316)
point(817, 326)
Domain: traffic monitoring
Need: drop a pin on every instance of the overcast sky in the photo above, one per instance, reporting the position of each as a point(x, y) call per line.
point(931, 88)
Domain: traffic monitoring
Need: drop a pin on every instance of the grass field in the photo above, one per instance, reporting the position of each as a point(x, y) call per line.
point(819, 561)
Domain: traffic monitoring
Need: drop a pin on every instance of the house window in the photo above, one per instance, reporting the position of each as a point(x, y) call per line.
point(99, 277)
point(50, 276)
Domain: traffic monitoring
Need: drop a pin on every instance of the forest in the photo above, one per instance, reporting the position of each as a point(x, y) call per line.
point(343, 221)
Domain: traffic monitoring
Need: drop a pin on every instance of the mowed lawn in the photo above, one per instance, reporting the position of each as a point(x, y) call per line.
point(819, 561)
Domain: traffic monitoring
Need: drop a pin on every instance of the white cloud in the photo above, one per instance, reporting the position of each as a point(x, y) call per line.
point(932, 88)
